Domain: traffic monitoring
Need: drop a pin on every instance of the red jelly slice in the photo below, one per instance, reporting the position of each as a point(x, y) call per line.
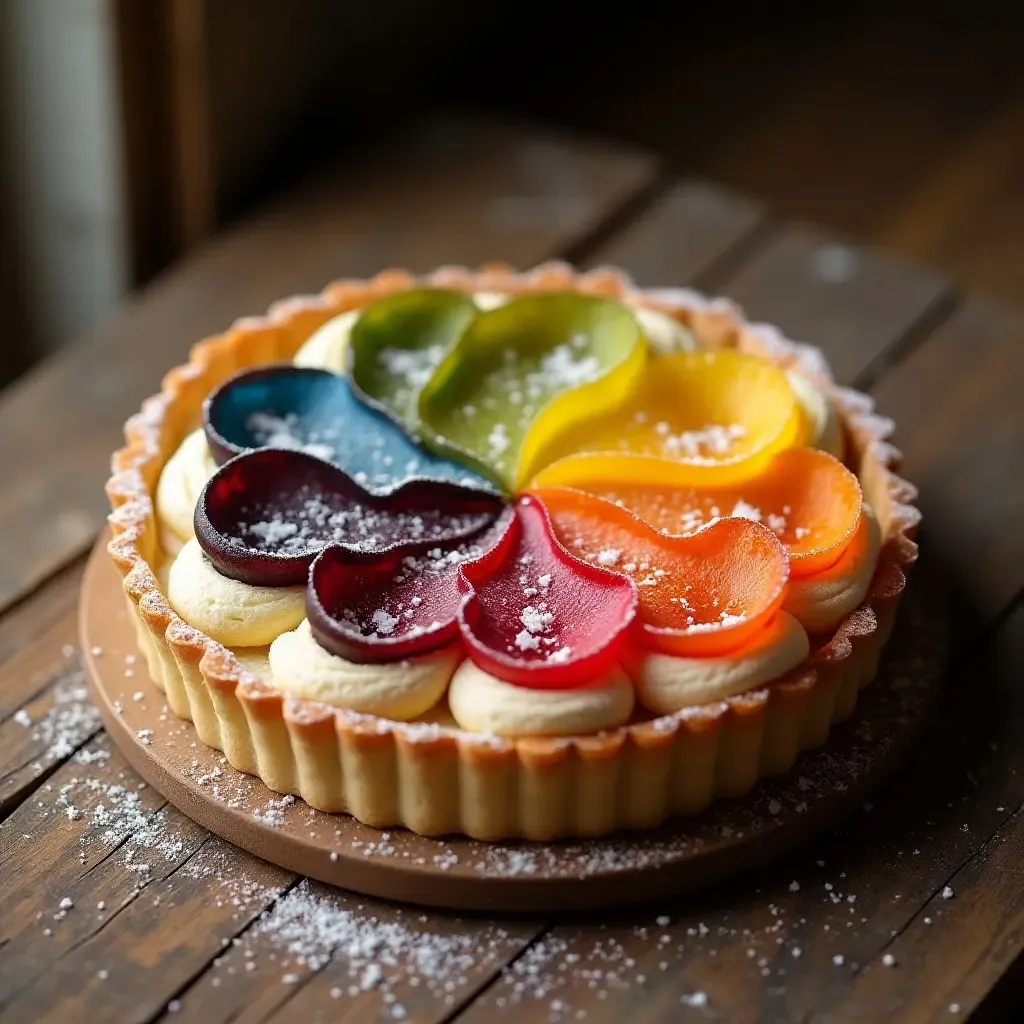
point(264, 516)
point(538, 617)
point(701, 595)
point(383, 606)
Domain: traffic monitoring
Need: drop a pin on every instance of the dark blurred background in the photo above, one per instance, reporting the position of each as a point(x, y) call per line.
point(134, 129)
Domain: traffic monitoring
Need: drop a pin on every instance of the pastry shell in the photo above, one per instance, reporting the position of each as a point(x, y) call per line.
point(434, 779)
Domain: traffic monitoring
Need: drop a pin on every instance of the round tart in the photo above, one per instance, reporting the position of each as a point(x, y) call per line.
point(509, 554)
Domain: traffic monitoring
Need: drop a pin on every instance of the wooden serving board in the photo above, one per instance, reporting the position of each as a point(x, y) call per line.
point(459, 873)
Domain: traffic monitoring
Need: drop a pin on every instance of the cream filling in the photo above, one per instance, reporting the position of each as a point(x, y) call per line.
point(482, 703)
point(178, 489)
point(667, 683)
point(821, 601)
point(232, 613)
point(487, 301)
point(326, 347)
point(398, 690)
point(664, 334)
point(826, 430)
point(255, 660)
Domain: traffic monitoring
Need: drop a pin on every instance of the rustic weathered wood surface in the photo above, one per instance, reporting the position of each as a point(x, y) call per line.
point(911, 912)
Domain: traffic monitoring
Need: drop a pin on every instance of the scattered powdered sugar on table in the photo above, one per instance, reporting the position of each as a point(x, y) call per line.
point(69, 721)
point(313, 926)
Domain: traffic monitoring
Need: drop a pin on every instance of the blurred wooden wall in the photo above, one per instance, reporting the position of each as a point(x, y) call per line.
point(250, 92)
point(211, 104)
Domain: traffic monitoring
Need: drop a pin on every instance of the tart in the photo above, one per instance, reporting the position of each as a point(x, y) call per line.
point(513, 555)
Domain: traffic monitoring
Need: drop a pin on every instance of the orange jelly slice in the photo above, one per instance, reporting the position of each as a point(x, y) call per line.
point(700, 595)
point(807, 498)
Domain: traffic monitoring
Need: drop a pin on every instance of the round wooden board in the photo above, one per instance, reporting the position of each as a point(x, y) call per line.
point(777, 817)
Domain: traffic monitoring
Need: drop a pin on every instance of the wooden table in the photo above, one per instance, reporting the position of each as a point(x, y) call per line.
point(114, 907)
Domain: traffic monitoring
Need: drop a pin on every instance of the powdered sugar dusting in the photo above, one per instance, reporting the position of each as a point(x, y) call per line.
point(364, 949)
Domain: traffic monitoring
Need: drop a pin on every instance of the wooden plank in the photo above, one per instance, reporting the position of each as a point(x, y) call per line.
point(683, 236)
point(351, 957)
point(53, 718)
point(450, 192)
point(869, 115)
point(854, 304)
point(150, 889)
point(956, 400)
point(170, 895)
point(21, 625)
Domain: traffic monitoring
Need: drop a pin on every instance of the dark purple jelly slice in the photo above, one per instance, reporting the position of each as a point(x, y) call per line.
point(265, 515)
point(383, 606)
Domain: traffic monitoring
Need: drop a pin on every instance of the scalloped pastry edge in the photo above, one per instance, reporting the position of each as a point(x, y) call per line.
point(438, 780)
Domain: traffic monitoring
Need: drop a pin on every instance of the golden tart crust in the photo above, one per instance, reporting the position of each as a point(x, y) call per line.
point(435, 779)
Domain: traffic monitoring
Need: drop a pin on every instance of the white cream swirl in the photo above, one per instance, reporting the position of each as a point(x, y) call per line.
point(326, 347)
point(232, 613)
point(821, 601)
point(487, 301)
point(481, 702)
point(178, 489)
point(665, 334)
point(668, 683)
point(826, 430)
point(399, 690)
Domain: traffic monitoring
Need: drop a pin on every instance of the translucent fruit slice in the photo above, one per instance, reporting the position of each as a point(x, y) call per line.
point(807, 498)
point(707, 417)
point(384, 606)
point(265, 515)
point(398, 342)
point(316, 411)
point(518, 374)
point(536, 616)
point(701, 595)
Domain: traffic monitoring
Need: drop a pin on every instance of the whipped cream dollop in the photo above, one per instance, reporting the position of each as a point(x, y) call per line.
point(326, 347)
point(481, 702)
point(399, 690)
point(668, 683)
point(826, 432)
point(179, 487)
point(823, 600)
point(232, 613)
point(665, 334)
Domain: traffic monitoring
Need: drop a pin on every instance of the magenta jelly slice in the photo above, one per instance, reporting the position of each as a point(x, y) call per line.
point(538, 617)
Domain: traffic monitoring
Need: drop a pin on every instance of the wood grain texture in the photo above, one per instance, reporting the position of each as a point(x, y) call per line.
point(683, 236)
point(48, 610)
point(957, 401)
point(429, 965)
point(48, 714)
point(493, 193)
point(854, 304)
